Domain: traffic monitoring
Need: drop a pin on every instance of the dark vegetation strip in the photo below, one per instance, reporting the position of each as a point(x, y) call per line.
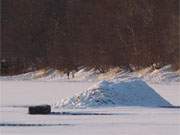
point(67, 34)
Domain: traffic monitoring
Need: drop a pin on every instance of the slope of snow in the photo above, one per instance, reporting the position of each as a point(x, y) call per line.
point(169, 91)
point(117, 92)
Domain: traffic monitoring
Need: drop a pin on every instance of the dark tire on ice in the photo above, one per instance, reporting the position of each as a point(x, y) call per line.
point(40, 109)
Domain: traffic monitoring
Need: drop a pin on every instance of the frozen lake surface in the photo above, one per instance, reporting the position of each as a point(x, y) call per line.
point(104, 121)
point(17, 95)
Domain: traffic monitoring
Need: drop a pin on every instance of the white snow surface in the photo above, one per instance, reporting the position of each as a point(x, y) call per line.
point(82, 105)
point(20, 93)
point(125, 120)
point(101, 121)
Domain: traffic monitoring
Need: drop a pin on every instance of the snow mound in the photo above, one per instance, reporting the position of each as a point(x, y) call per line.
point(117, 92)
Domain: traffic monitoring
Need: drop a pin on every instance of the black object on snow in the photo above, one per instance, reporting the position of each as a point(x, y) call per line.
point(40, 109)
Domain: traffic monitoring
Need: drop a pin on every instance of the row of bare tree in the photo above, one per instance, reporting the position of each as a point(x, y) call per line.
point(66, 34)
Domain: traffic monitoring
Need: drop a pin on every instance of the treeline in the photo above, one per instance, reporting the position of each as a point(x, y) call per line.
point(67, 34)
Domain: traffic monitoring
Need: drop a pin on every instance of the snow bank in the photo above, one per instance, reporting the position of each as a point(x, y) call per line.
point(86, 75)
point(53, 75)
point(163, 75)
point(40, 75)
point(23, 77)
point(117, 92)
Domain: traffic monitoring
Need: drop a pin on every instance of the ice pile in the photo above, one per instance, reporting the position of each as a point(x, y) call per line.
point(116, 92)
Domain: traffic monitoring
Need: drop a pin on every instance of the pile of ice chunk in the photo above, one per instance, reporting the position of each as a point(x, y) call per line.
point(116, 92)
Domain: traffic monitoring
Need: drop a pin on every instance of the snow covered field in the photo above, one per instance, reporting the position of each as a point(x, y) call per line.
point(104, 121)
point(95, 118)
